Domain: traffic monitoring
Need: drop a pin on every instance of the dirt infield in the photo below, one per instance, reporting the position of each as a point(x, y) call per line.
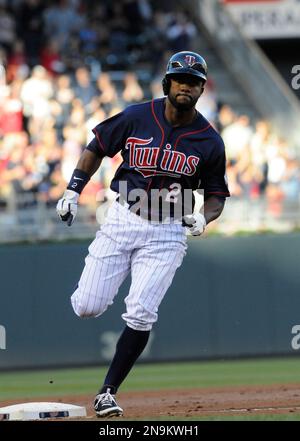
point(192, 403)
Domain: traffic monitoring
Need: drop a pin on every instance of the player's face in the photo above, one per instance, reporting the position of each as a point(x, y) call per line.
point(185, 91)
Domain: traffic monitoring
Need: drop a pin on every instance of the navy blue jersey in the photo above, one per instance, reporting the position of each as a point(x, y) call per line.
point(157, 155)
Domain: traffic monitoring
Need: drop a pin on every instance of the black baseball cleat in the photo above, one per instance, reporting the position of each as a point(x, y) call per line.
point(106, 406)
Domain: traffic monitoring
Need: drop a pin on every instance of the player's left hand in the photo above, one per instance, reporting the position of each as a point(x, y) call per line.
point(195, 222)
point(66, 207)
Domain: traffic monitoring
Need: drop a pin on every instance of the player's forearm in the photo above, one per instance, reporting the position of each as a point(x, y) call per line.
point(85, 168)
point(88, 162)
point(213, 207)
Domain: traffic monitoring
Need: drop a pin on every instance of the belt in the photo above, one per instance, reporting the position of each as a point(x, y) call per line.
point(155, 217)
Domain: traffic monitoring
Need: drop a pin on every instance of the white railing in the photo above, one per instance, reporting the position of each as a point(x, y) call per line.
point(40, 223)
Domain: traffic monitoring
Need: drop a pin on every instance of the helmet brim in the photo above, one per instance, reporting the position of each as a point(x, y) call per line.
point(186, 71)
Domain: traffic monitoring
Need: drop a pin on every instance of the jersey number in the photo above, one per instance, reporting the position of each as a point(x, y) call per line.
point(172, 196)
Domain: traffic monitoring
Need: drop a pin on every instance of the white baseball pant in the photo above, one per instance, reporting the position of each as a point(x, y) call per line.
point(127, 242)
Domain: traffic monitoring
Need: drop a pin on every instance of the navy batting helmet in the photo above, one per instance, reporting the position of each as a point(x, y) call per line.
point(185, 62)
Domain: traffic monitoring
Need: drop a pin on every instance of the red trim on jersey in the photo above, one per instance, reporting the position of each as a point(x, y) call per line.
point(190, 133)
point(99, 140)
point(158, 123)
point(162, 138)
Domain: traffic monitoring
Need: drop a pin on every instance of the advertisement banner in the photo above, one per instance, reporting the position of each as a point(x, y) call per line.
point(266, 19)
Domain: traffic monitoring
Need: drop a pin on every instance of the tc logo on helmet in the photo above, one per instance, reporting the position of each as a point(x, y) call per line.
point(189, 59)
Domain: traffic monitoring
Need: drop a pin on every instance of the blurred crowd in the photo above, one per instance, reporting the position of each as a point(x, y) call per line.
point(260, 164)
point(66, 65)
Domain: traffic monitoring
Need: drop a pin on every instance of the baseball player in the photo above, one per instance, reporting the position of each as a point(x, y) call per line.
point(169, 150)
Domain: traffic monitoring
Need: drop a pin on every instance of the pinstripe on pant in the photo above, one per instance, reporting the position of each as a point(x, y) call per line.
point(126, 242)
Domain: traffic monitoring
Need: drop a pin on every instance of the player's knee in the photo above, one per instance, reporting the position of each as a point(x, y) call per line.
point(83, 309)
point(83, 312)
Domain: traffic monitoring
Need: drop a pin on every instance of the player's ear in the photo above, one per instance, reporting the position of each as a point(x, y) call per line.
point(166, 83)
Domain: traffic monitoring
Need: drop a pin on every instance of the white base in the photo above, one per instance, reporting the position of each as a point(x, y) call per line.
point(38, 411)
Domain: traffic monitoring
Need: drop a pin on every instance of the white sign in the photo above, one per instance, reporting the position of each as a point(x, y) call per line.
point(296, 78)
point(2, 337)
point(266, 19)
point(296, 339)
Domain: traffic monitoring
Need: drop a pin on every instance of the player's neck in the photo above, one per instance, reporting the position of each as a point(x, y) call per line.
point(177, 117)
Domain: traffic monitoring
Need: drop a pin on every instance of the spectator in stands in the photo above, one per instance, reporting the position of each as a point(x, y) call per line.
point(159, 43)
point(30, 25)
point(97, 117)
point(50, 58)
point(17, 61)
point(11, 111)
point(62, 19)
point(36, 92)
point(107, 90)
point(100, 14)
point(138, 13)
point(132, 93)
point(7, 29)
point(118, 41)
point(72, 57)
point(258, 147)
point(237, 137)
point(62, 103)
point(49, 149)
point(56, 119)
point(225, 118)
point(14, 173)
point(290, 183)
point(72, 148)
point(6, 147)
point(63, 92)
point(181, 32)
point(77, 117)
point(90, 36)
point(84, 89)
point(57, 184)
point(277, 161)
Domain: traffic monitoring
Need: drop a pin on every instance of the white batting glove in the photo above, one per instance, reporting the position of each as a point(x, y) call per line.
point(66, 207)
point(195, 223)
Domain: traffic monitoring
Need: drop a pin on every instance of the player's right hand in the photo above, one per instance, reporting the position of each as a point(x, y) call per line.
point(66, 207)
point(195, 223)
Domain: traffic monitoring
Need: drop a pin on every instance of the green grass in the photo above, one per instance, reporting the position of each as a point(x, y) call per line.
point(30, 384)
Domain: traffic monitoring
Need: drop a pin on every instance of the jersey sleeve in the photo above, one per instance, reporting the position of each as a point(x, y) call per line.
point(110, 135)
point(93, 146)
point(214, 180)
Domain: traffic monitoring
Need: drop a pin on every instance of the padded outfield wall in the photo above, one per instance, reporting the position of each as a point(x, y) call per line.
point(232, 297)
